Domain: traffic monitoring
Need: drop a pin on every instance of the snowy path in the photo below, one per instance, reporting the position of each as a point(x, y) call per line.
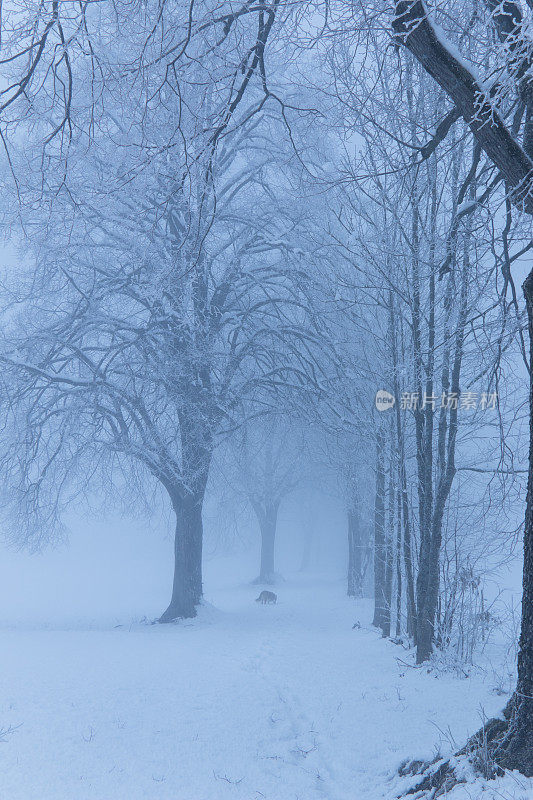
point(248, 702)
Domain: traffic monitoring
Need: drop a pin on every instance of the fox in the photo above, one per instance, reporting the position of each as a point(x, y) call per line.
point(266, 597)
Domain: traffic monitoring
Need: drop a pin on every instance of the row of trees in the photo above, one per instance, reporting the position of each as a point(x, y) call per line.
point(217, 241)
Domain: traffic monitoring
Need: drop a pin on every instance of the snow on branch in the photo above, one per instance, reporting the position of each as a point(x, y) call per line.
point(415, 29)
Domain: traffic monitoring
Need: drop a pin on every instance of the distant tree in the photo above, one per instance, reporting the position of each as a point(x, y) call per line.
point(269, 459)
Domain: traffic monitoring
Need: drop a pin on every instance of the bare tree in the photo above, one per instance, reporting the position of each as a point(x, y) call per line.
point(148, 335)
point(269, 459)
point(482, 111)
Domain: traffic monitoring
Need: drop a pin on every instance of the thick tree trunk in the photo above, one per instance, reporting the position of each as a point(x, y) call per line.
point(187, 584)
point(427, 610)
point(379, 537)
point(267, 573)
point(425, 624)
point(424, 618)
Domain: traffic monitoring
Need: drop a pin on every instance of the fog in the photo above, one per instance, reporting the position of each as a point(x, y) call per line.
point(266, 400)
point(116, 570)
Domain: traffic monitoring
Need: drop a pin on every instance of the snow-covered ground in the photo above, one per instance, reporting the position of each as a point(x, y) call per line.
point(247, 702)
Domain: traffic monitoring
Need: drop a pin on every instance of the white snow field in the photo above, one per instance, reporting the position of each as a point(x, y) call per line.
point(247, 702)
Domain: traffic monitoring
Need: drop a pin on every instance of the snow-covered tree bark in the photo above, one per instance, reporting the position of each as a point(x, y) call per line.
point(188, 540)
point(413, 26)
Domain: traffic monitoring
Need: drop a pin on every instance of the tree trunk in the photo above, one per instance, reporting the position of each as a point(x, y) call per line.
point(379, 537)
point(427, 580)
point(427, 610)
point(358, 554)
point(389, 559)
point(422, 416)
point(267, 573)
point(187, 584)
point(429, 563)
point(408, 561)
point(398, 563)
point(424, 629)
point(516, 750)
point(407, 547)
